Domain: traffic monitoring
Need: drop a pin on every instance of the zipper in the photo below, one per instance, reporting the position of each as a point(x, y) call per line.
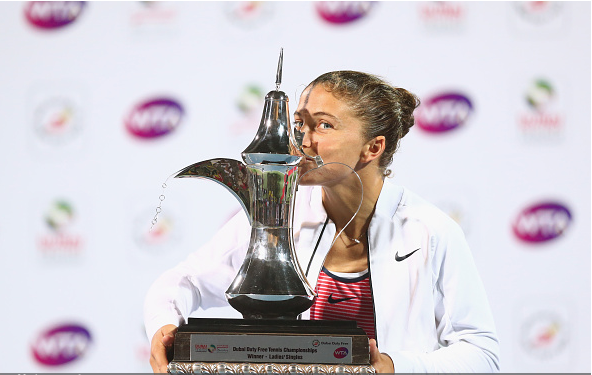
point(313, 255)
point(316, 247)
point(369, 274)
point(371, 288)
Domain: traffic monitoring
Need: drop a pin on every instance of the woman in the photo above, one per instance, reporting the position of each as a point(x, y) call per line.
point(402, 265)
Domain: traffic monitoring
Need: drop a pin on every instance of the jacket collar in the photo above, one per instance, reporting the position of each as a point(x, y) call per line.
point(389, 201)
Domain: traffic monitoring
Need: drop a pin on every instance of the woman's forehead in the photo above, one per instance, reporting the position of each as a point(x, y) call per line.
point(313, 98)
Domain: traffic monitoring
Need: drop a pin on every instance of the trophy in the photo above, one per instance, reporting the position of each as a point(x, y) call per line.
point(270, 289)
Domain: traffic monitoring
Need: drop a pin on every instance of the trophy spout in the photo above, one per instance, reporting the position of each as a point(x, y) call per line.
point(230, 173)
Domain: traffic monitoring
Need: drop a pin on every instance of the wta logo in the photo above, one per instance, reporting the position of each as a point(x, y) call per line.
point(542, 222)
point(340, 12)
point(340, 352)
point(61, 345)
point(52, 14)
point(154, 118)
point(443, 112)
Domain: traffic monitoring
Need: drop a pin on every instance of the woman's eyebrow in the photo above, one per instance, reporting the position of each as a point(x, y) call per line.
point(324, 114)
point(320, 113)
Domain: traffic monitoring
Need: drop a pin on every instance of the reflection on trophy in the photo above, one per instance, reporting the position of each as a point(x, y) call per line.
point(270, 289)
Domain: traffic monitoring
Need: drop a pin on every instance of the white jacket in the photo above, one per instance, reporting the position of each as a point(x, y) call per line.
point(432, 313)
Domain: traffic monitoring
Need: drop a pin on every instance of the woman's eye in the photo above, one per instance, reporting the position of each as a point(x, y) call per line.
point(325, 125)
point(298, 124)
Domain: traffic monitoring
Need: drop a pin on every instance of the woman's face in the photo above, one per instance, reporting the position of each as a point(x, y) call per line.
point(332, 131)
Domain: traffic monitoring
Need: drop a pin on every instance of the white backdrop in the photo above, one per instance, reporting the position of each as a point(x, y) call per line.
point(82, 162)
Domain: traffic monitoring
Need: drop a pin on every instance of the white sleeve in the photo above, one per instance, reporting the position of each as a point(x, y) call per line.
point(464, 323)
point(200, 280)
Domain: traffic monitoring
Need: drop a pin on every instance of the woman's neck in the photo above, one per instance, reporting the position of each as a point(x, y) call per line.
point(342, 200)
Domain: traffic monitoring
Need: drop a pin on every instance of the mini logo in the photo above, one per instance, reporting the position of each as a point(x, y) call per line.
point(155, 239)
point(441, 15)
point(60, 345)
point(60, 239)
point(402, 258)
point(542, 222)
point(544, 335)
point(250, 99)
point(249, 103)
point(340, 352)
point(341, 12)
point(538, 12)
point(337, 300)
point(201, 348)
point(59, 215)
point(540, 119)
point(154, 118)
point(540, 94)
point(52, 14)
point(212, 348)
point(316, 343)
point(443, 112)
point(57, 120)
point(153, 13)
point(248, 14)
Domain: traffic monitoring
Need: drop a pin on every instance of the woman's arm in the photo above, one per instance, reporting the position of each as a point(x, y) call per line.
point(463, 319)
point(199, 281)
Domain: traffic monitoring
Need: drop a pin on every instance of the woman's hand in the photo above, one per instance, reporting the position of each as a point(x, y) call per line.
point(381, 362)
point(162, 343)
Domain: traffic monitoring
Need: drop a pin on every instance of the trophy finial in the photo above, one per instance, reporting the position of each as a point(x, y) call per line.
point(271, 143)
point(278, 75)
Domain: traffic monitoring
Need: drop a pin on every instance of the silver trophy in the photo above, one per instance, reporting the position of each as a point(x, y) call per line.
point(270, 289)
point(270, 283)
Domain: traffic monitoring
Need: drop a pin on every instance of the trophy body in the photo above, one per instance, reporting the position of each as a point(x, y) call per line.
point(270, 289)
point(270, 283)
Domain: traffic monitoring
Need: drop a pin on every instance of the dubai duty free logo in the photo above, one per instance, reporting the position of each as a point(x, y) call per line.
point(249, 14)
point(443, 112)
point(542, 222)
point(154, 118)
point(57, 120)
point(52, 14)
point(544, 334)
point(156, 238)
point(538, 12)
point(61, 344)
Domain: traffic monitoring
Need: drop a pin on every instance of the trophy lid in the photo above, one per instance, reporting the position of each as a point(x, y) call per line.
point(271, 144)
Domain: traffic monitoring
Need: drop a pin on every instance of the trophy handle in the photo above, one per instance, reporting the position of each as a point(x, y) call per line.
point(230, 173)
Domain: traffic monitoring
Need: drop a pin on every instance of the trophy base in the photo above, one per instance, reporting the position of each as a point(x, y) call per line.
point(208, 346)
point(265, 368)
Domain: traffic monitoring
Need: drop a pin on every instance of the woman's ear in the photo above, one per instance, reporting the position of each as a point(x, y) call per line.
point(373, 149)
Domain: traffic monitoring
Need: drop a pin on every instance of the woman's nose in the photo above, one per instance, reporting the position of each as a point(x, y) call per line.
point(306, 139)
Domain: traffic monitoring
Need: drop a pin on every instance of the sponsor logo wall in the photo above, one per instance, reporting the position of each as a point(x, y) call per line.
point(102, 101)
point(61, 345)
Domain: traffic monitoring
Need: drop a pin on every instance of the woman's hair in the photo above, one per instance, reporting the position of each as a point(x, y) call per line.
point(384, 109)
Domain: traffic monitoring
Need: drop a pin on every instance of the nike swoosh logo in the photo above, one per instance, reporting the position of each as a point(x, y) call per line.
point(333, 300)
point(400, 259)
